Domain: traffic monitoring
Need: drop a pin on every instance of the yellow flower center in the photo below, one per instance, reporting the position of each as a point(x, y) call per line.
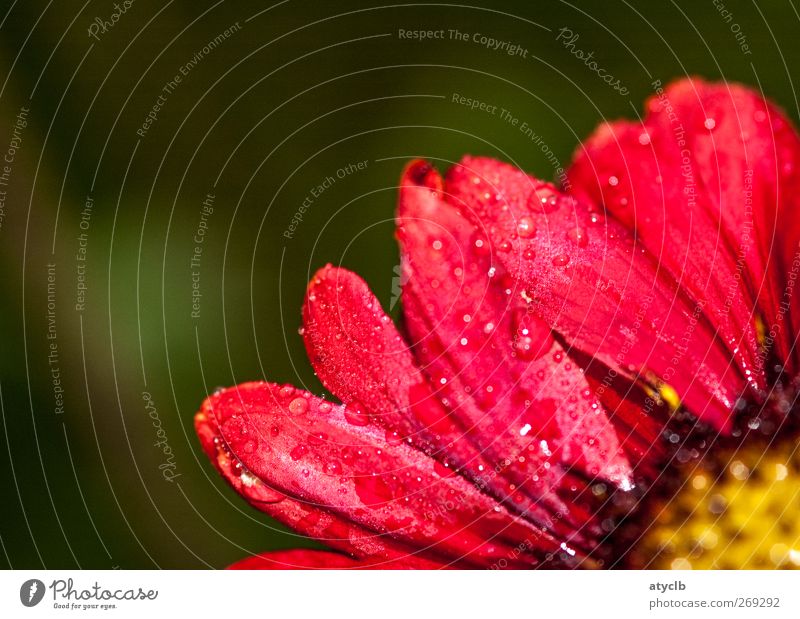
point(743, 516)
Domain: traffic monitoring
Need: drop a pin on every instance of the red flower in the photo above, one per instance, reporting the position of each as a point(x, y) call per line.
point(559, 348)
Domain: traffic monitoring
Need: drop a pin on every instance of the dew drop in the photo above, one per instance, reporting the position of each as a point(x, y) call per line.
point(526, 228)
point(561, 260)
point(710, 123)
point(298, 452)
point(531, 337)
point(393, 437)
point(578, 236)
point(542, 203)
point(355, 415)
point(333, 468)
point(298, 406)
point(372, 490)
point(317, 438)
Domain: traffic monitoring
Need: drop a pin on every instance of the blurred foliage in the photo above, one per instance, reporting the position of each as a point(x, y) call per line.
point(294, 94)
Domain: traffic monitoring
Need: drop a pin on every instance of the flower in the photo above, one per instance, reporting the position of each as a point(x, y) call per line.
point(562, 350)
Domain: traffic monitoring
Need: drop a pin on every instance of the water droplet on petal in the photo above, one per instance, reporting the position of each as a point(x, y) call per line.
point(526, 228)
point(710, 123)
point(578, 236)
point(561, 260)
point(298, 406)
point(532, 338)
point(543, 202)
point(298, 452)
point(393, 437)
point(355, 415)
point(372, 490)
point(317, 438)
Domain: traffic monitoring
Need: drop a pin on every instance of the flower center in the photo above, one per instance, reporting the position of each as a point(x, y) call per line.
point(737, 508)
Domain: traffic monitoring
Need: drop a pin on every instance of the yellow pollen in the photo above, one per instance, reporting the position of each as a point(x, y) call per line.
point(745, 516)
point(761, 330)
point(670, 396)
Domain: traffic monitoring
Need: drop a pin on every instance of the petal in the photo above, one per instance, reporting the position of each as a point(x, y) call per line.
point(304, 517)
point(301, 559)
point(304, 448)
point(359, 355)
point(506, 376)
point(602, 292)
point(698, 180)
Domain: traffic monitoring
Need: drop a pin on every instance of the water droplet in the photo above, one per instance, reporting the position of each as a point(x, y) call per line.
point(437, 245)
point(298, 452)
point(333, 468)
point(613, 181)
point(526, 228)
point(355, 415)
point(710, 123)
point(644, 138)
point(561, 260)
point(286, 391)
point(325, 408)
point(298, 406)
point(578, 236)
point(372, 490)
point(542, 202)
point(529, 254)
point(393, 437)
point(532, 338)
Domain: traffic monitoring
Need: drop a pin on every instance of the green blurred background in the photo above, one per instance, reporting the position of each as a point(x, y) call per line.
point(259, 119)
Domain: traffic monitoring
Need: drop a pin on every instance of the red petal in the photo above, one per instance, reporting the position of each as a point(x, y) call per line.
point(508, 380)
point(301, 559)
point(304, 517)
point(311, 454)
point(698, 180)
point(359, 355)
point(600, 290)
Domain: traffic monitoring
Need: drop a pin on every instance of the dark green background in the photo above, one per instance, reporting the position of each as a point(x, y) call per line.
point(297, 93)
